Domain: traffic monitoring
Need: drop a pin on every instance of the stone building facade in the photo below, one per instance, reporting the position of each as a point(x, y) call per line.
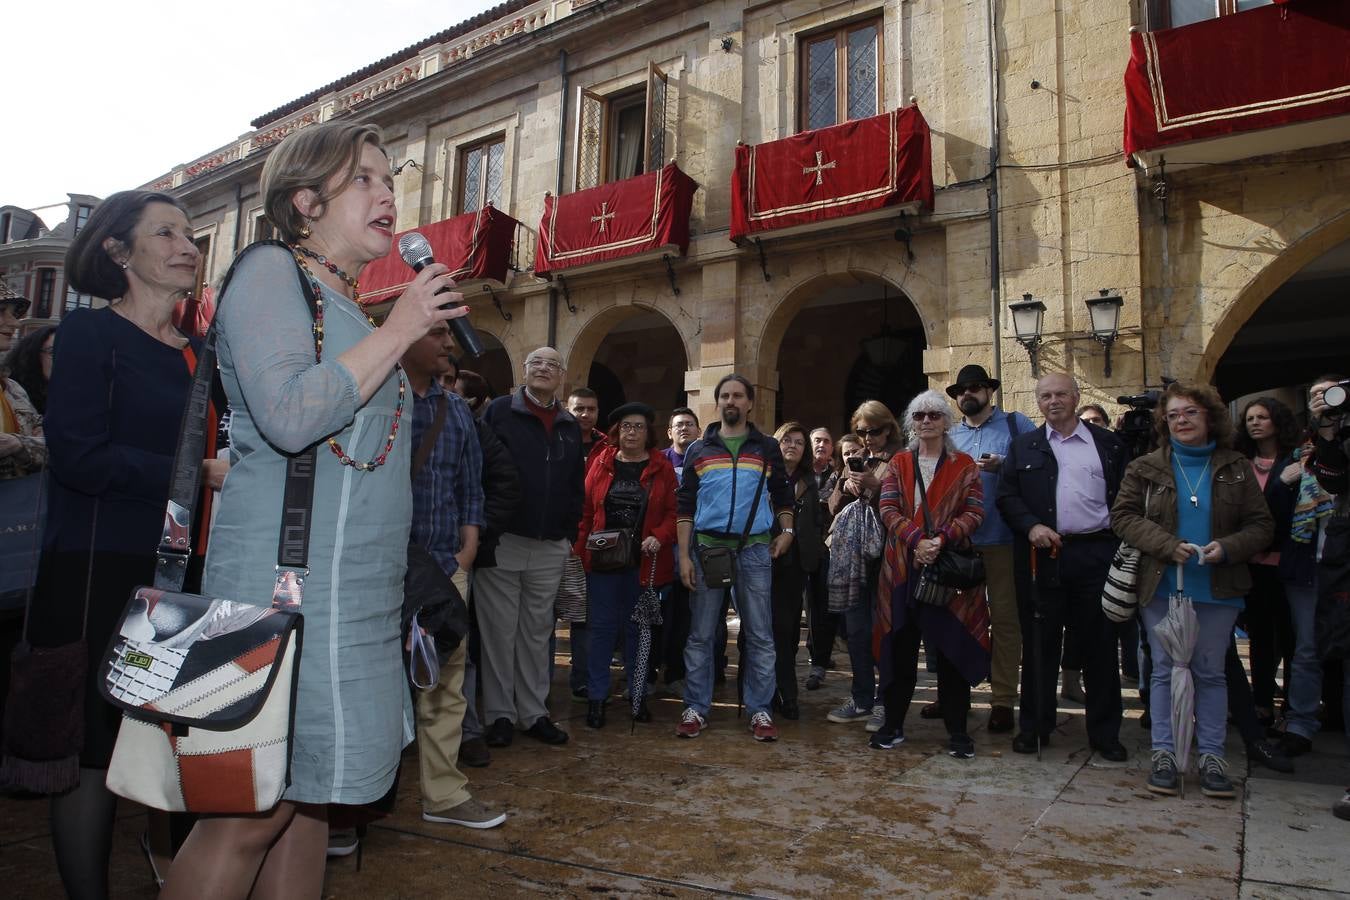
point(865, 308)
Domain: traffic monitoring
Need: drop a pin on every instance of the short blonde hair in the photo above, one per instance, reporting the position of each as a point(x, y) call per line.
point(876, 412)
point(311, 158)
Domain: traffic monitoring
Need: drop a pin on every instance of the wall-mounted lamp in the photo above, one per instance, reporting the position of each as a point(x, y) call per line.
point(414, 164)
point(1028, 317)
point(1104, 311)
point(728, 43)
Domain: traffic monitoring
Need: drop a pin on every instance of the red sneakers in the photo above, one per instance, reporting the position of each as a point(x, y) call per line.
point(691, 723)
point(762, 727)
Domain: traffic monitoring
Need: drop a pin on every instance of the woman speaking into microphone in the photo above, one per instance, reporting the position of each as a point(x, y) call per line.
point(297, 378)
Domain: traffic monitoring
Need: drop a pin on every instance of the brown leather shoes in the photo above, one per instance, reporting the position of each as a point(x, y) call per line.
point(1000, 720)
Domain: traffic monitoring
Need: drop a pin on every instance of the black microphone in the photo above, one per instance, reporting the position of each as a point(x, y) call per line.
point(416, 252)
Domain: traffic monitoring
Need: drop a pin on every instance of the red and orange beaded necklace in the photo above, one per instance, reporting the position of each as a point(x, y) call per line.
point(300, 253)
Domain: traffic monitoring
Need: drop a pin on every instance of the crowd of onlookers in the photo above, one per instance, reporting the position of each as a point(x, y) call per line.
point(957, 535)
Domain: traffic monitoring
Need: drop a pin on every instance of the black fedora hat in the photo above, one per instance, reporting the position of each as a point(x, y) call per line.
point(636, 408)
point(971, 374)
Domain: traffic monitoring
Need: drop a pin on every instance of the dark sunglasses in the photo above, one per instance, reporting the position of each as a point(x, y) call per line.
point(970, 389)
point(871, 432)
point(932, 416)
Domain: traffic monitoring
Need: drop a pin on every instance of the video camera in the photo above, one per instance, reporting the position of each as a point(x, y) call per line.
point(1136, 425)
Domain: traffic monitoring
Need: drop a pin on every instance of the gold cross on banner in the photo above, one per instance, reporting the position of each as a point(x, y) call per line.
point(604, 217)
point(819, 167)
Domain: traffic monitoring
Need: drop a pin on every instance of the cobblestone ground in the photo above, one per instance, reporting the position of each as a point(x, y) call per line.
point(637, 812)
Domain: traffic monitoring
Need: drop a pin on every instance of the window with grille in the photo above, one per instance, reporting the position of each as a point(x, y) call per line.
point(840, 75)
point(620, 135)
point(1175, 13)
point(46, 293)
point(480, 174)
point(76, 300)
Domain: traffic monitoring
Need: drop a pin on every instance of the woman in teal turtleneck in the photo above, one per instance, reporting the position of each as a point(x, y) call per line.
point(1195, 502)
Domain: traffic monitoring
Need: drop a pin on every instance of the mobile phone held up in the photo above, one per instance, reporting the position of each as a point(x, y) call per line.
point(856, 464)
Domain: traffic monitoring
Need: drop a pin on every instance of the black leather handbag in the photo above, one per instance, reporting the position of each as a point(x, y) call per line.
point(956, 569)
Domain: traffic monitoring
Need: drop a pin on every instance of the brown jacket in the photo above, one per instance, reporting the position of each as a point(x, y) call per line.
point(1239, 519)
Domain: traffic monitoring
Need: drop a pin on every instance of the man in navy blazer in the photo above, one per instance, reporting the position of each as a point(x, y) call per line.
point(1058, 484)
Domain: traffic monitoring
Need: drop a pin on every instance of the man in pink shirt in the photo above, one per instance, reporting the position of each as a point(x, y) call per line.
point(1056, 492)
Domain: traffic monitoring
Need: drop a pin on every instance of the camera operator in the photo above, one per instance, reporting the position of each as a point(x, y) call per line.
point(1329, 465)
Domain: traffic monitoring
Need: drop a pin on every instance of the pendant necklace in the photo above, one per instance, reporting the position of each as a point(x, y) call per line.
point(1195, 499)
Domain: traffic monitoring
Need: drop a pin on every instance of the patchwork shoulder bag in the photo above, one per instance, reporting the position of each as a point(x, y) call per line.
point(206, 685)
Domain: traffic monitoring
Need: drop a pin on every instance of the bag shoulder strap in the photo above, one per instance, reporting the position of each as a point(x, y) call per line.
point(754, 507)
point(1012, 425)
point(923, 496)
point(175, 546)
point(433, 434)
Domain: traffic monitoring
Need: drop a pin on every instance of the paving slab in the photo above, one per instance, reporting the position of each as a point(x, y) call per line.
point(1292, 837)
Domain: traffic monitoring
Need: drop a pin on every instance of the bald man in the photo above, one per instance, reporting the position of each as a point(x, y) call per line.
point(1056, 491)
point(513, 599)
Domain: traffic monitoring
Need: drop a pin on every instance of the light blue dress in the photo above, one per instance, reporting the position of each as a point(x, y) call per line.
point(353, 712)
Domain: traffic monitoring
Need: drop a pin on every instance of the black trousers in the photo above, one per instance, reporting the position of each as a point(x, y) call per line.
point(953, 689)
point(675, 631)
point(786, 597)
point(1070, 597)
point(821, 624)
point(1270, 632)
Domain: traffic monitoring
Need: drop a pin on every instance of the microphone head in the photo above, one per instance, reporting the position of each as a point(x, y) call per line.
point(415, 250)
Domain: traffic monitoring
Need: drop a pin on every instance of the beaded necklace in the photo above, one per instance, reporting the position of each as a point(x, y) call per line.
point(300, 253)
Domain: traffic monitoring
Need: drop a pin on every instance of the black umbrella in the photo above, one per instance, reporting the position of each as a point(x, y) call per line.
point(646, 613)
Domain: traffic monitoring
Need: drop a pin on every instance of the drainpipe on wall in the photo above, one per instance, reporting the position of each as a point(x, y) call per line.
point(238, 214)
point(995, 289)
point(557, 189)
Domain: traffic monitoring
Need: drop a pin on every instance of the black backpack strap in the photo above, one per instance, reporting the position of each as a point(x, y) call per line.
point(175, 546)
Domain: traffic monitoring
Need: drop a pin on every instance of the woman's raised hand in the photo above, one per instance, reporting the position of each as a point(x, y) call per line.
point(420, 305)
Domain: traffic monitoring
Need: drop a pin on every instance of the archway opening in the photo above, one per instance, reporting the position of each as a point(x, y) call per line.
point(849, 341)
point(1299, 332)
point(640, 358)
point(494, 365)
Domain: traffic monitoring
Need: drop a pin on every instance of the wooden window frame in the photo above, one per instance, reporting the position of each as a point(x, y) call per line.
point(462, 169)
point(45, 293)
point(653, 147)
point(840, 33)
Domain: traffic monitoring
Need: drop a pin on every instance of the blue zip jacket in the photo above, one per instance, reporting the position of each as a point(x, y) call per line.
point(551, 469)
point(716, 492)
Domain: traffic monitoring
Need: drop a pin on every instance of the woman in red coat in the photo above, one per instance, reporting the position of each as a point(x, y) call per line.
point(628, 482)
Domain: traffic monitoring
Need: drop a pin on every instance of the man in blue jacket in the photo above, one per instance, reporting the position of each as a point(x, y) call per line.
point(733, 486)
point(1057, 486)
point(514, 598)
point(985, 432)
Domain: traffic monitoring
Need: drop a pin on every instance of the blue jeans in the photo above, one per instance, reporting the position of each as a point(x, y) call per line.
point(858, 632)
point(611, 597)
point(753, 578)
point(1211, 689)
point(1305, 676)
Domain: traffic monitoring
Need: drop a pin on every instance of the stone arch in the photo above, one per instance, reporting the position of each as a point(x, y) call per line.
point(591, 334)
point(496, 364)
point(778, 326)
point(1266, 281)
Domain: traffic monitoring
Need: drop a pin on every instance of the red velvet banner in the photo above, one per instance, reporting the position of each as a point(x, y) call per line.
point(475, 246)
point(843, 170)
point(1273, 65)
point(615, 220)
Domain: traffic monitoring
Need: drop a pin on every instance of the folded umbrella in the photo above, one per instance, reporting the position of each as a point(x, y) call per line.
point(646, 613)
point(1177, 632)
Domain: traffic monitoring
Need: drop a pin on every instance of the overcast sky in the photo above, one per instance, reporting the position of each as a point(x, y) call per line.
point(106, 96)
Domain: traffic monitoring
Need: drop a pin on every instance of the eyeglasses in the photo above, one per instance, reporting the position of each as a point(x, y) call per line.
point(632, 426)
point(930, 416)
point(547, 364)
point(871, 432)
point(47, 351)
point(1190, 414)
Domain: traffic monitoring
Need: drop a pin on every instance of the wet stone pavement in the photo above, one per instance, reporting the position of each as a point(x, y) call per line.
point(640, 813)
